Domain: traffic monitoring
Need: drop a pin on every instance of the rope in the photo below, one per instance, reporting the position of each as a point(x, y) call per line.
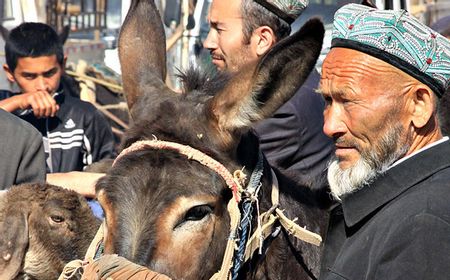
point(74, 268)
point(192, 154)
point(235, 216)
point(233, 182)
point(269, 218)
point(247, 207)
point(246, 248)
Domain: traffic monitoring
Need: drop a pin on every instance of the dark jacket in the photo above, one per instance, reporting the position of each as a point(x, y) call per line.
point(398, 227)
point(293, 138)
point(77, 136)
point(21, 150)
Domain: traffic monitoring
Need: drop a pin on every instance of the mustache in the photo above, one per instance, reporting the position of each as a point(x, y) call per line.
point(346, 142)
point(216, 55)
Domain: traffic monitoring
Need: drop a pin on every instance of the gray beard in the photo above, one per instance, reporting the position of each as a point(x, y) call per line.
point(372, 164)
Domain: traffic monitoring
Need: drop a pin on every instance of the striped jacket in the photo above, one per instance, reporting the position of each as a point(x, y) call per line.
point(77, 136)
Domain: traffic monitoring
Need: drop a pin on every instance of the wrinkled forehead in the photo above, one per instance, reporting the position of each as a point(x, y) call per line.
point(343, 66)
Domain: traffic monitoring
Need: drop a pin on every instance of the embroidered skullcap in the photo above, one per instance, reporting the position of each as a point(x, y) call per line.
point(288, 10)
point(398, 39)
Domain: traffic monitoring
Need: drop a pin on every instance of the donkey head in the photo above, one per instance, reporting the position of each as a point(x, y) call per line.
point(43, 227)
point(162, 210)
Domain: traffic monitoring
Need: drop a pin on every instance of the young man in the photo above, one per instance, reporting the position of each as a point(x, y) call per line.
point(242, 31)
point(22, 152)
point(75, 134)
point(382, 81)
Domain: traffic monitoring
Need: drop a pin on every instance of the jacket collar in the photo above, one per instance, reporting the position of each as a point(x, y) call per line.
point(358, 205)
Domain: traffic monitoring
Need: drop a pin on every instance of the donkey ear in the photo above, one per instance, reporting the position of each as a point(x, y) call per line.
point(64, 34)
point(142, 53)
point(276, 79)
point(5, 32)
point(13, 244)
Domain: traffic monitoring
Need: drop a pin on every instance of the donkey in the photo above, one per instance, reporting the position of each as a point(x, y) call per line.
point(42, 228)
point(169, 213)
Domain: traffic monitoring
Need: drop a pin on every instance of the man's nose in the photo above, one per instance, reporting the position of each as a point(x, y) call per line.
point(210, 42)
point(41, 83)
point(333, 125)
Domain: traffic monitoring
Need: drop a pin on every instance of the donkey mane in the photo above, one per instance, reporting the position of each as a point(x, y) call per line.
point(207, 81)
point(168, 211)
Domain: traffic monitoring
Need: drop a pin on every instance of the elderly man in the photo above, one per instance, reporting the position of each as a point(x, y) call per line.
point(242, 31)
point(382, 81)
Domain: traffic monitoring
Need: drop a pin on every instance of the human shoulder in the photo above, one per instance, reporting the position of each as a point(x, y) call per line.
point(12, 125)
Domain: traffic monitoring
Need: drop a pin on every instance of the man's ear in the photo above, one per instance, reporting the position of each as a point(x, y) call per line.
point(9, 73)
point(422, 105)
point(263, 39)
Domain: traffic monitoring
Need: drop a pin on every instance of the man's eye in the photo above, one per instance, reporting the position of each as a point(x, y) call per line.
point(50, 73)
point(29, 77)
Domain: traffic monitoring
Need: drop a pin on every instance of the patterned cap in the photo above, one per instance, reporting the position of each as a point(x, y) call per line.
point(288, 10)
point(398, 39)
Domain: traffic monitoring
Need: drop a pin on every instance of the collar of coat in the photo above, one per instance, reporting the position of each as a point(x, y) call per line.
point(360, 204)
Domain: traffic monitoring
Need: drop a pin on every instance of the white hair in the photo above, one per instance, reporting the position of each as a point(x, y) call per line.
point(371, 164)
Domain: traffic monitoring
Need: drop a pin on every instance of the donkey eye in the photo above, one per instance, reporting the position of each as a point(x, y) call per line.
point(57, 219)
point(198, 212)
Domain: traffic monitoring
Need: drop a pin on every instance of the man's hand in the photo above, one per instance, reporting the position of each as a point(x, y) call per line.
point(41, 102)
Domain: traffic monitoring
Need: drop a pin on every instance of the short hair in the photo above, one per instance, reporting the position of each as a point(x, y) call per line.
point(254, 15)
point(32, 39)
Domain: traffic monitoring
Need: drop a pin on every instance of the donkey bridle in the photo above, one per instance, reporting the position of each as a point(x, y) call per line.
point(234, 181)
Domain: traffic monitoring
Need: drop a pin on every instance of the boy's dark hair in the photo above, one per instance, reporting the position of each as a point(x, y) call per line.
point(32, 39)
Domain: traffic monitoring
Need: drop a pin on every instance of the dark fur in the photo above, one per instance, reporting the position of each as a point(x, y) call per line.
point(51, 245)
point(152, 179)
point(167, 212)
point(33, 39)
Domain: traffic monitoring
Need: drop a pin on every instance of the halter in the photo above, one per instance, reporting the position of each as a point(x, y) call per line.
point(234, 181)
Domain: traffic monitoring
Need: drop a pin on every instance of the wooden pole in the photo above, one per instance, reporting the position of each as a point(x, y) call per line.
point(95, 80)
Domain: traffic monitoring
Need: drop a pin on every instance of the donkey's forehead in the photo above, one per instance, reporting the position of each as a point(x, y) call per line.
point(152, 174)
point(178, 121)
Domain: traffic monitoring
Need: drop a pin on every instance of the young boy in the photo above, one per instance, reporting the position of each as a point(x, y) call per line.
point(75, 133)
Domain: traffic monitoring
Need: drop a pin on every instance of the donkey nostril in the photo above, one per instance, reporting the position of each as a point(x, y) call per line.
point(6, 256)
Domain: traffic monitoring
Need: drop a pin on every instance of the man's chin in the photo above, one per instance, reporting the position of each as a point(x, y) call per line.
point(220, 64)
point(345, 163)
point(345, 180)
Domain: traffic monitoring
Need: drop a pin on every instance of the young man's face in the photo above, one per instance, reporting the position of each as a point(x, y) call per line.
point(225, 39)
point(36, 74)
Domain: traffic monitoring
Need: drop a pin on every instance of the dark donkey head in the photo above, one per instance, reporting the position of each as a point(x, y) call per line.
point(163, 210)
point(42, 227)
